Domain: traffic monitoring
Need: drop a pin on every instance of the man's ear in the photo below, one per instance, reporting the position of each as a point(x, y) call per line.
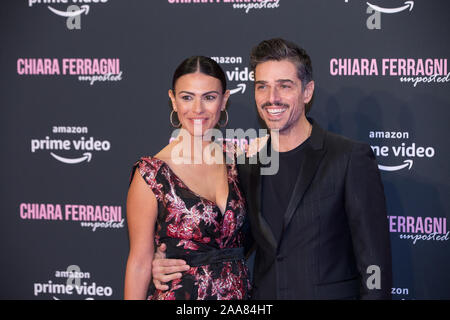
point(308, 92)
point(172, 98)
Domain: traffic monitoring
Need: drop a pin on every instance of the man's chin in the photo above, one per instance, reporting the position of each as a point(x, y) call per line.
point(274, 125)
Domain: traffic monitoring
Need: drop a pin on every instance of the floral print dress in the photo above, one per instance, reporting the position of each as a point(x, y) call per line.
point(194, 229)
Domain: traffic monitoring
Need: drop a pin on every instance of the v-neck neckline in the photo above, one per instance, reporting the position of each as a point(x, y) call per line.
point(195, 193)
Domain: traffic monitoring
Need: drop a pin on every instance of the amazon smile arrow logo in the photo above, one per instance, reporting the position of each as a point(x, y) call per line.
point(408, 4)
point(86, 156)
point(406, 163)
point(240, 87)
point(68, 14)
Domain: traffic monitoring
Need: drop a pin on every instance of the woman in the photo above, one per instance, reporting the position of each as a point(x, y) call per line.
point(195, 209)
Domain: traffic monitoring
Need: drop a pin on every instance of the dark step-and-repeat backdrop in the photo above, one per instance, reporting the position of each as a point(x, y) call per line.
point(84, 95)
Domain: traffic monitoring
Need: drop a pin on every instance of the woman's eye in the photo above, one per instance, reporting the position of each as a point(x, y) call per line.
point(186, 98)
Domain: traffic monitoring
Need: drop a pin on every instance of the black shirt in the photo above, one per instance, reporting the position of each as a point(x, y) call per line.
point(276, 193)
point(277, 189)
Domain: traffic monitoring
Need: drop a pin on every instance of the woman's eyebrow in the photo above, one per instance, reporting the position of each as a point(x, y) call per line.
point(209, 92)
point(187, 92)
point(203, 94)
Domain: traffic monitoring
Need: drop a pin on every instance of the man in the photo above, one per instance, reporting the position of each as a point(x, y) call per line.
point(319, 223)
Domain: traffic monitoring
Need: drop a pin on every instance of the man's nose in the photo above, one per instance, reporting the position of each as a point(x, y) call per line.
point(274, 95)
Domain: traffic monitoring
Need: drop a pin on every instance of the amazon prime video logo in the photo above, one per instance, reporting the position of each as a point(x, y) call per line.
point(236, 75)
point(72, 13)
point(79, 285)
point(70, 151)
point(398, 152)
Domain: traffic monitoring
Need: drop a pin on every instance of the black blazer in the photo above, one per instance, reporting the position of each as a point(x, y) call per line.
point(335, 225)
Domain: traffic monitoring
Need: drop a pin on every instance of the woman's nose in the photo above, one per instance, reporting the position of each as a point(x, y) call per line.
point(198, 106)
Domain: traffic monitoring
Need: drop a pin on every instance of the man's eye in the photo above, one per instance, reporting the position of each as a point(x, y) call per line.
point(285, 86)
point(210, 98)
point(260, 87)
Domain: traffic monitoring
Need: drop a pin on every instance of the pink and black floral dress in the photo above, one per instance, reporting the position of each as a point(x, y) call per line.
point(194, 229)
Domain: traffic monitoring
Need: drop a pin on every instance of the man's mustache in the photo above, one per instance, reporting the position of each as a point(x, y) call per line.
point(275, 103)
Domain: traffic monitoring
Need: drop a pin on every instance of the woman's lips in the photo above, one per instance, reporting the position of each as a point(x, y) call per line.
point(198, 121)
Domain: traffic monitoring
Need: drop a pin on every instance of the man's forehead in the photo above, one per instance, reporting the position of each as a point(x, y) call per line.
point(276, 71)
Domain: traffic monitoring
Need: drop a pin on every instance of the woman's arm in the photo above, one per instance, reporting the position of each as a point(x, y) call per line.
point(142, 210)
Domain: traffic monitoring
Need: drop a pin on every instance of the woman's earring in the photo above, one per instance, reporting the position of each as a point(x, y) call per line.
point(173, 124)
point(226, 122)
